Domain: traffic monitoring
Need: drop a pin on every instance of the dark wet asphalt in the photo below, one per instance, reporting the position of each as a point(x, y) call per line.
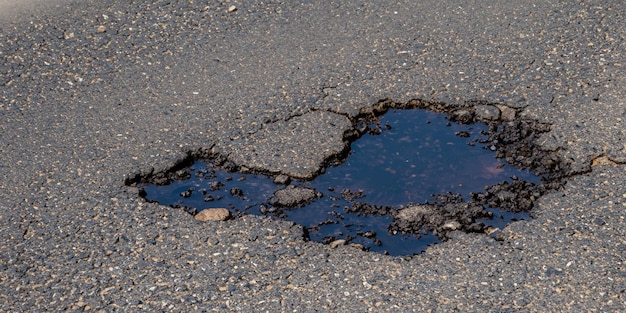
point(92, 93)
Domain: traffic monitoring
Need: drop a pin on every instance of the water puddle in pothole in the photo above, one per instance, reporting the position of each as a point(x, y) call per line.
point(414, 156)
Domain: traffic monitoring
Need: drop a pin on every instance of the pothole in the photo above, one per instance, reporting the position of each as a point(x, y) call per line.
point(411, 177)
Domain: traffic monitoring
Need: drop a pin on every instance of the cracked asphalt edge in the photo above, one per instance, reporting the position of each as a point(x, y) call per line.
point(511, 138)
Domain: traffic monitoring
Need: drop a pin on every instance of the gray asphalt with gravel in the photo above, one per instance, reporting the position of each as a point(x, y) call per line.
point(92, 93)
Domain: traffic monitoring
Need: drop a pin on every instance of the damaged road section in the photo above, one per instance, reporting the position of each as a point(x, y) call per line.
point(393, 182)
point(278, 147)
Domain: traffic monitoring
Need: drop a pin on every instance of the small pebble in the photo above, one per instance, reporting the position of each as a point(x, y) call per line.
point(451, 225)
point(357, 246)
point(217, 214)
point(337, 243)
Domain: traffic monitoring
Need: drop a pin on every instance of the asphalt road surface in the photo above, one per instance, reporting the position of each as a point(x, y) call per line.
point(92, 93)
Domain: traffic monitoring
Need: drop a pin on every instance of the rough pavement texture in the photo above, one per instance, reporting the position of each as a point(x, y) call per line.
point(92, 93)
